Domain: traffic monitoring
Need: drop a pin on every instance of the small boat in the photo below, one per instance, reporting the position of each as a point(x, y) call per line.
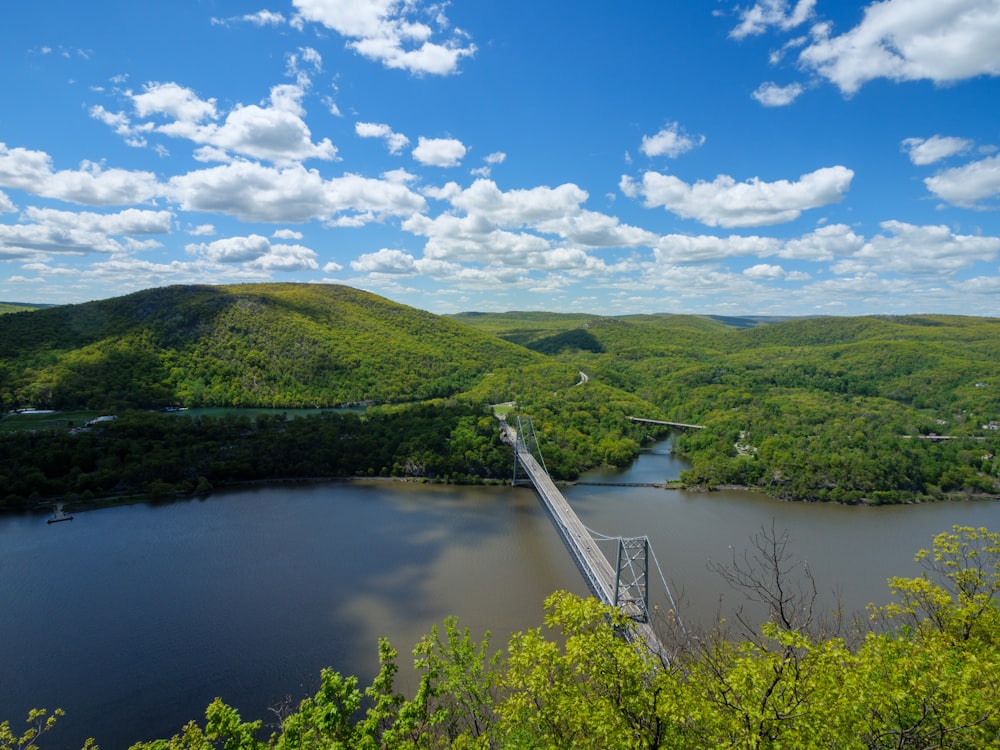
point(59, 515)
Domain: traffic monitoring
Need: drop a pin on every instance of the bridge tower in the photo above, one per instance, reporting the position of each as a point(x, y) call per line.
point(528, 440)
point(632, 578)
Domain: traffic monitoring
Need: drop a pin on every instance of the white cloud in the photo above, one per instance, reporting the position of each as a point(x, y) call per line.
point(31, 171)
point(66, 233)
point(231, 249)
point(910, 249)
point(925, 151)
point(256, 252)
point(332, 267)
point(771, 94)
point(385, 261)
point(264, 18)
point(260, 18)
point(670, 141)
point(6, 204)
point(202, 230)
point(395, 142)
point(439, 152)
point(391, 32)
point(824, 244)
point(255, 192)
point(275, 132)
point(287, 259)
point(764, 271)
point(129, 221)
point(121, 124)
point(174, 101)
point(516, 208)
point(540, 228)
point(304, 56)
point(498, 157)
point(724, 202)
point(968, 184)
point(910, 40)
point(684, 248)
point(762, 15)
point(287, 234)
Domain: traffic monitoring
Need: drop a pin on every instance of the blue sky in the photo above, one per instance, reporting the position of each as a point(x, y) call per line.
point(780, 157)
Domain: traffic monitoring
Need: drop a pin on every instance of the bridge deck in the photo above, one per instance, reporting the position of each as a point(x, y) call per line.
point(597, 571)
point(669, 424)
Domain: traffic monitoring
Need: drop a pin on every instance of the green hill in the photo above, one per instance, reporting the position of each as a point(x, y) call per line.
point(12, 307)
point(271, 345)
point(845, 409)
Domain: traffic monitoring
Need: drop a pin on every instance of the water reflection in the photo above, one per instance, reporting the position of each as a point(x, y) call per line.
point(134, 618)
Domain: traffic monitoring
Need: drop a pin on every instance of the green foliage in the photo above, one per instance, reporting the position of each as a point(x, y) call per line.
point(815, 409)
point(830, 409)
point(12, 307)
point(265, 345)
point(164, 455)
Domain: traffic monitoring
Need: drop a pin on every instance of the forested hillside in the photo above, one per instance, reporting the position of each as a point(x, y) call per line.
point(873, 409)
point(270, 345)
point(11, 307)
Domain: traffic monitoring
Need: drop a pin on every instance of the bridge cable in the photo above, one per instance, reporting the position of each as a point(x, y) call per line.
point(599, 537)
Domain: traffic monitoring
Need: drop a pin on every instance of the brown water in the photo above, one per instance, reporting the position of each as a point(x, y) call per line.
point(133, 619)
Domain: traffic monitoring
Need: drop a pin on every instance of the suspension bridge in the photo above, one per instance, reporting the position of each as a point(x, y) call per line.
point(624, 586)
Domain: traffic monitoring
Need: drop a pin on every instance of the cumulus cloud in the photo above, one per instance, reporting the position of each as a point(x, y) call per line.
point(766, 271)
point(911, 249)
point(395, 142)
point(385, 261)
point(287, 259)
point(50, 231)
point(540, 228)
point(909, 40)
point(274, 132)
point(824, 244)
point(761, 16)
point(6, 204)
point(255, 251)
point(497, 157)
point(129, 221)
point(439, 152)
point(392, 32)
point(724, 202)
point(231, 249)
point(671, 141)
point(91, 184)
point(173, 101)
point(256, 192)
point(969, 184)
point(771, 94)
point(685, 249)
point(925, 151)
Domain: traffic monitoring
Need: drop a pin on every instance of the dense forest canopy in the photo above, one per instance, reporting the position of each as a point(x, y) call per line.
point(872, 409)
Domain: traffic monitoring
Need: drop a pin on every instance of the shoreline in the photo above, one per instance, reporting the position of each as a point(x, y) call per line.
point(83, 506)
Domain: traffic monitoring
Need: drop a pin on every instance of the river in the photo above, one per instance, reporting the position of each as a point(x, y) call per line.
point(134, 618)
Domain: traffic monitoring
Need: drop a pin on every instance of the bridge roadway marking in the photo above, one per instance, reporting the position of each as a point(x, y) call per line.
point(600, 576)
